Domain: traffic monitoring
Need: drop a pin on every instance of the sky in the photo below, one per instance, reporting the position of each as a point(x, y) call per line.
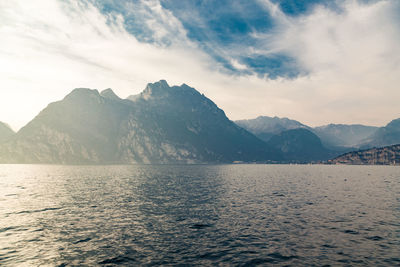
point(315, 61)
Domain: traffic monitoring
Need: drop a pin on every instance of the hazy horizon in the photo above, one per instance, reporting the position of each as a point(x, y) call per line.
point(317, 62)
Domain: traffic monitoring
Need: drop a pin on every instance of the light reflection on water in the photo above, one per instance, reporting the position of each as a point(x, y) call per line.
point(226, 214)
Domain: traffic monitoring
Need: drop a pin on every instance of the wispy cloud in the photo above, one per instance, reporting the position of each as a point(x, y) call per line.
point(348, 58)
point(48, 50)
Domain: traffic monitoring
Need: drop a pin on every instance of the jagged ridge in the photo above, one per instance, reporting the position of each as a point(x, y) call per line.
point(162, 124)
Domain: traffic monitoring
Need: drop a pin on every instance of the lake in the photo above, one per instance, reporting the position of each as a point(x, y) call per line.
point(240, 215)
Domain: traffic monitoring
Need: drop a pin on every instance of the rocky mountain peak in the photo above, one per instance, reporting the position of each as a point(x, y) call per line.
point(79, 93)
point(156, 89)
point(271, 125)
point(161, 90)
point(109, 93)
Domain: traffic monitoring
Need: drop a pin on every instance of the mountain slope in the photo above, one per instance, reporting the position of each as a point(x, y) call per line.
point(384, 136)
point(186, 115)
point(342, 135)
point(5, 132)
point(389, 155)
point(163, 124)
point(78, 129)
point(265, 127)
point(300, 145)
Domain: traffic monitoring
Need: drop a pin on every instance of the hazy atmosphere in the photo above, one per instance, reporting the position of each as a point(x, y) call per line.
point(199, 133)
point(318, 62)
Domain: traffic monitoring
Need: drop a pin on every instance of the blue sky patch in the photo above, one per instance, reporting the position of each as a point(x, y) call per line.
point(224, 29)
point(298, 7)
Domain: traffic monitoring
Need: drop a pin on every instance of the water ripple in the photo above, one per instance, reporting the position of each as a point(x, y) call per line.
point(234, 215)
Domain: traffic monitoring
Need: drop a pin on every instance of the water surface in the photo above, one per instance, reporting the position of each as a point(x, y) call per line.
point(296, 215)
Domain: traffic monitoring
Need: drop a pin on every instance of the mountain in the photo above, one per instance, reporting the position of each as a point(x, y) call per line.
point(384, 136)
point(338, 137)
point(342, 135)
point(162, 124)
point(389, 155)
point(265, 127)
point(81, 128)
point(300, 145)
point(5, 132)
point(297, 141)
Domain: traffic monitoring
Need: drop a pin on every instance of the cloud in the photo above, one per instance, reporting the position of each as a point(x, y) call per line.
point(349, 59)
point(48, 50)
point(352, 56)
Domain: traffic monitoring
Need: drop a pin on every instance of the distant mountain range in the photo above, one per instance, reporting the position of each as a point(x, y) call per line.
point(177, 124)
point(383, 136)
point(337, 137)
point(342, 135)
point(265, 127)
point(323, 142)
